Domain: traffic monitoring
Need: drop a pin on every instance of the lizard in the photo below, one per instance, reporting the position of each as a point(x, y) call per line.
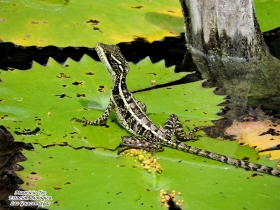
point(131, 115)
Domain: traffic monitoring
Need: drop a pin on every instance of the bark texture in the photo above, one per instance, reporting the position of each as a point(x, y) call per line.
point(225, 42)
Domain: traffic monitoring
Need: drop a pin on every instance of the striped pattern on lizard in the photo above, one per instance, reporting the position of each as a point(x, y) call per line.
point(131, 115)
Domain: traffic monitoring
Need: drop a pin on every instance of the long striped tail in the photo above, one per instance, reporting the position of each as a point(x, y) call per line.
point(225, 159)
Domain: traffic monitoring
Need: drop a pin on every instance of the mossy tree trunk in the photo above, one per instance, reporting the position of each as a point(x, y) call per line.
point(225, 42)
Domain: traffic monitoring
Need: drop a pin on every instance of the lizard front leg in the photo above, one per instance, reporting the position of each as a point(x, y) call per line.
point(139, 142)
point(173, 125)
point(101, 119)
point(142, 105)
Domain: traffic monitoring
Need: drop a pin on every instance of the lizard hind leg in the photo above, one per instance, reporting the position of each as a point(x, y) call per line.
point(139, 142)
point(174, 126)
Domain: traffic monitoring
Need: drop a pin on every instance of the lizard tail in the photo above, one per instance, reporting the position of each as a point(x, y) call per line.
point(232, 161)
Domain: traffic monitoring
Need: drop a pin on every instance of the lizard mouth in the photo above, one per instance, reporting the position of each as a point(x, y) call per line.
point(111, 57)
point(103, 57)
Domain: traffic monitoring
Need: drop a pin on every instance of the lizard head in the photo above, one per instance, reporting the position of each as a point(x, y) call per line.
point(112, 58)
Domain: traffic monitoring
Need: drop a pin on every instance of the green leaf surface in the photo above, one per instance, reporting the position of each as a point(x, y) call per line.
point(99, 179)
point(84, 23)
point(149, 75)
point(193, 103)
point(49, 97)
point(80, 179)
point(267, 12)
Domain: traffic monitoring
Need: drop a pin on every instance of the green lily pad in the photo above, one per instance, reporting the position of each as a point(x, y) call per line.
point(84, 23)
point(87, 179)
point(267, 12)
point(73, 23)
point(101, 180)
point(49, 97)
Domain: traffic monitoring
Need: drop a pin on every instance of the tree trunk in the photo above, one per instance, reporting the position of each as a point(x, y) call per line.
point(225, 42)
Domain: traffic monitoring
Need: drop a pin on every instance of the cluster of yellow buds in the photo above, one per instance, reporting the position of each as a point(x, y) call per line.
point(147, 161)
point(165, 197)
